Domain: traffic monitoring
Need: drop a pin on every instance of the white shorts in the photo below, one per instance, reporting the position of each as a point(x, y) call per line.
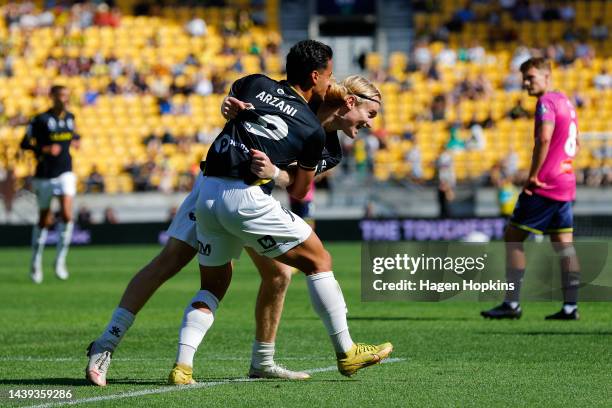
point(45, 189)
point(231, 215)
point(183, 226)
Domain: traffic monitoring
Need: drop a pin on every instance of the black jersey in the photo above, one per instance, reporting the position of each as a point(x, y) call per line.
point(332, 153)
point(46, 129)
point(281, 125)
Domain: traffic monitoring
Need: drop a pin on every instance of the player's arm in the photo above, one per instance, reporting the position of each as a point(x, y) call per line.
point(301, 184)
point(263, 168)
point(307, 164)
point(332, 153)
point(232, 105)
point(29, 139)
point(543, 136)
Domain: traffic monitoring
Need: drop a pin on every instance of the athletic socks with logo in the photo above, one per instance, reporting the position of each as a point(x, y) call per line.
point(262, 355)
point(327, 300)
point(195, 325)
point(514, 276)
point(119, 324)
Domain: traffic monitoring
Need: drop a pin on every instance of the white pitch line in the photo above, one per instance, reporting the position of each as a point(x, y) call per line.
point(176, 388)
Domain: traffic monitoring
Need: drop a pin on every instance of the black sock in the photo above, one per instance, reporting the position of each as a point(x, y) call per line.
point(514, 276)
point(570, 282)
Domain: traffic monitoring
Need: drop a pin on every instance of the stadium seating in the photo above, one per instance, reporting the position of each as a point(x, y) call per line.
point(113, 129)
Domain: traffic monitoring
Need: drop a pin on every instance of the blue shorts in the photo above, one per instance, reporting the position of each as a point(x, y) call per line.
point(303, 209)
point(542, 215)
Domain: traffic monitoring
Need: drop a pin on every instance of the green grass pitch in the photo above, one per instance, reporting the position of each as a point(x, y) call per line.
point(445, 353)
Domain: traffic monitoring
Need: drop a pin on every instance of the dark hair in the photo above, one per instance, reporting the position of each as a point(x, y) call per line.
point(305, 57)
point(538, 63)
point(55, 89)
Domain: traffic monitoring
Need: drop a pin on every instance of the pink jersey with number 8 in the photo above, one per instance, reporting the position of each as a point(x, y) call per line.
point(557, 171)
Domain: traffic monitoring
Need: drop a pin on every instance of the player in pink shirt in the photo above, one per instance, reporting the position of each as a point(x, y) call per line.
point(545, 205)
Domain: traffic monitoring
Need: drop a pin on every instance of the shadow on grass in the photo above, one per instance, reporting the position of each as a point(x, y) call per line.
point(45, 381)
point(407, 318)
point(394, 318)
point(550, 333)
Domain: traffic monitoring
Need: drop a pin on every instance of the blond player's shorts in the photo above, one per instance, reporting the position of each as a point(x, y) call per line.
point(231, 215)
point(45, 189)
point(183, 226)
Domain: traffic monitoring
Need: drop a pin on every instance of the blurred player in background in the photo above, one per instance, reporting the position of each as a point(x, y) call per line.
point(50, 135)
point(545, 205)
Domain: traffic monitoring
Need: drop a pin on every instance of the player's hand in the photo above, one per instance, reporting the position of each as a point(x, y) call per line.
point(54, 150)
point(261, 165)
point(231, 107)
point(533, 183)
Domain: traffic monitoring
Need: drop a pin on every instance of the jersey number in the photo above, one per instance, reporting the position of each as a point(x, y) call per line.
point(268, 126)
point(570, 143)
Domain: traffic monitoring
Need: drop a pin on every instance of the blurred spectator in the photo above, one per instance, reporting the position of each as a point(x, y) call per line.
point(433, 73)
point(599, 31)
point(477, 139)
point(521, 54)
point(413, 157)
point(507, 194)
point(518, 111)
point(203, 85)
point(445, 167)
point(106, 17)
point(536, 10)
point(447, 56)
point(109, 216)
point(196, 27)
point(603, 80)
point(567, 12)
point(90, 96)
point(510, 164)
point(95, 181)
point(551, 12)
point(454, 140)
point(568, 57)
point(438, 108)
point(476, 53)
point(83, 216)
point(167, 137)
point(578, 99)
point(422, 55)
point(513, 81)
point(372, 145)
point(165, 106)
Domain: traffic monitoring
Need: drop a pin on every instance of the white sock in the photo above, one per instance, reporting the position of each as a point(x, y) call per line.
point(119, 324)
point(39, 237)
point(513, 305)
point(263, 354)
point(194, 327)
point(63, 242)
point(569, 308)
point(327, 300)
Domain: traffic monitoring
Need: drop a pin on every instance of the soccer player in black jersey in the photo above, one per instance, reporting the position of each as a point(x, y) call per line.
point(182, 246)
point(50, 135)
point(234, 208)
